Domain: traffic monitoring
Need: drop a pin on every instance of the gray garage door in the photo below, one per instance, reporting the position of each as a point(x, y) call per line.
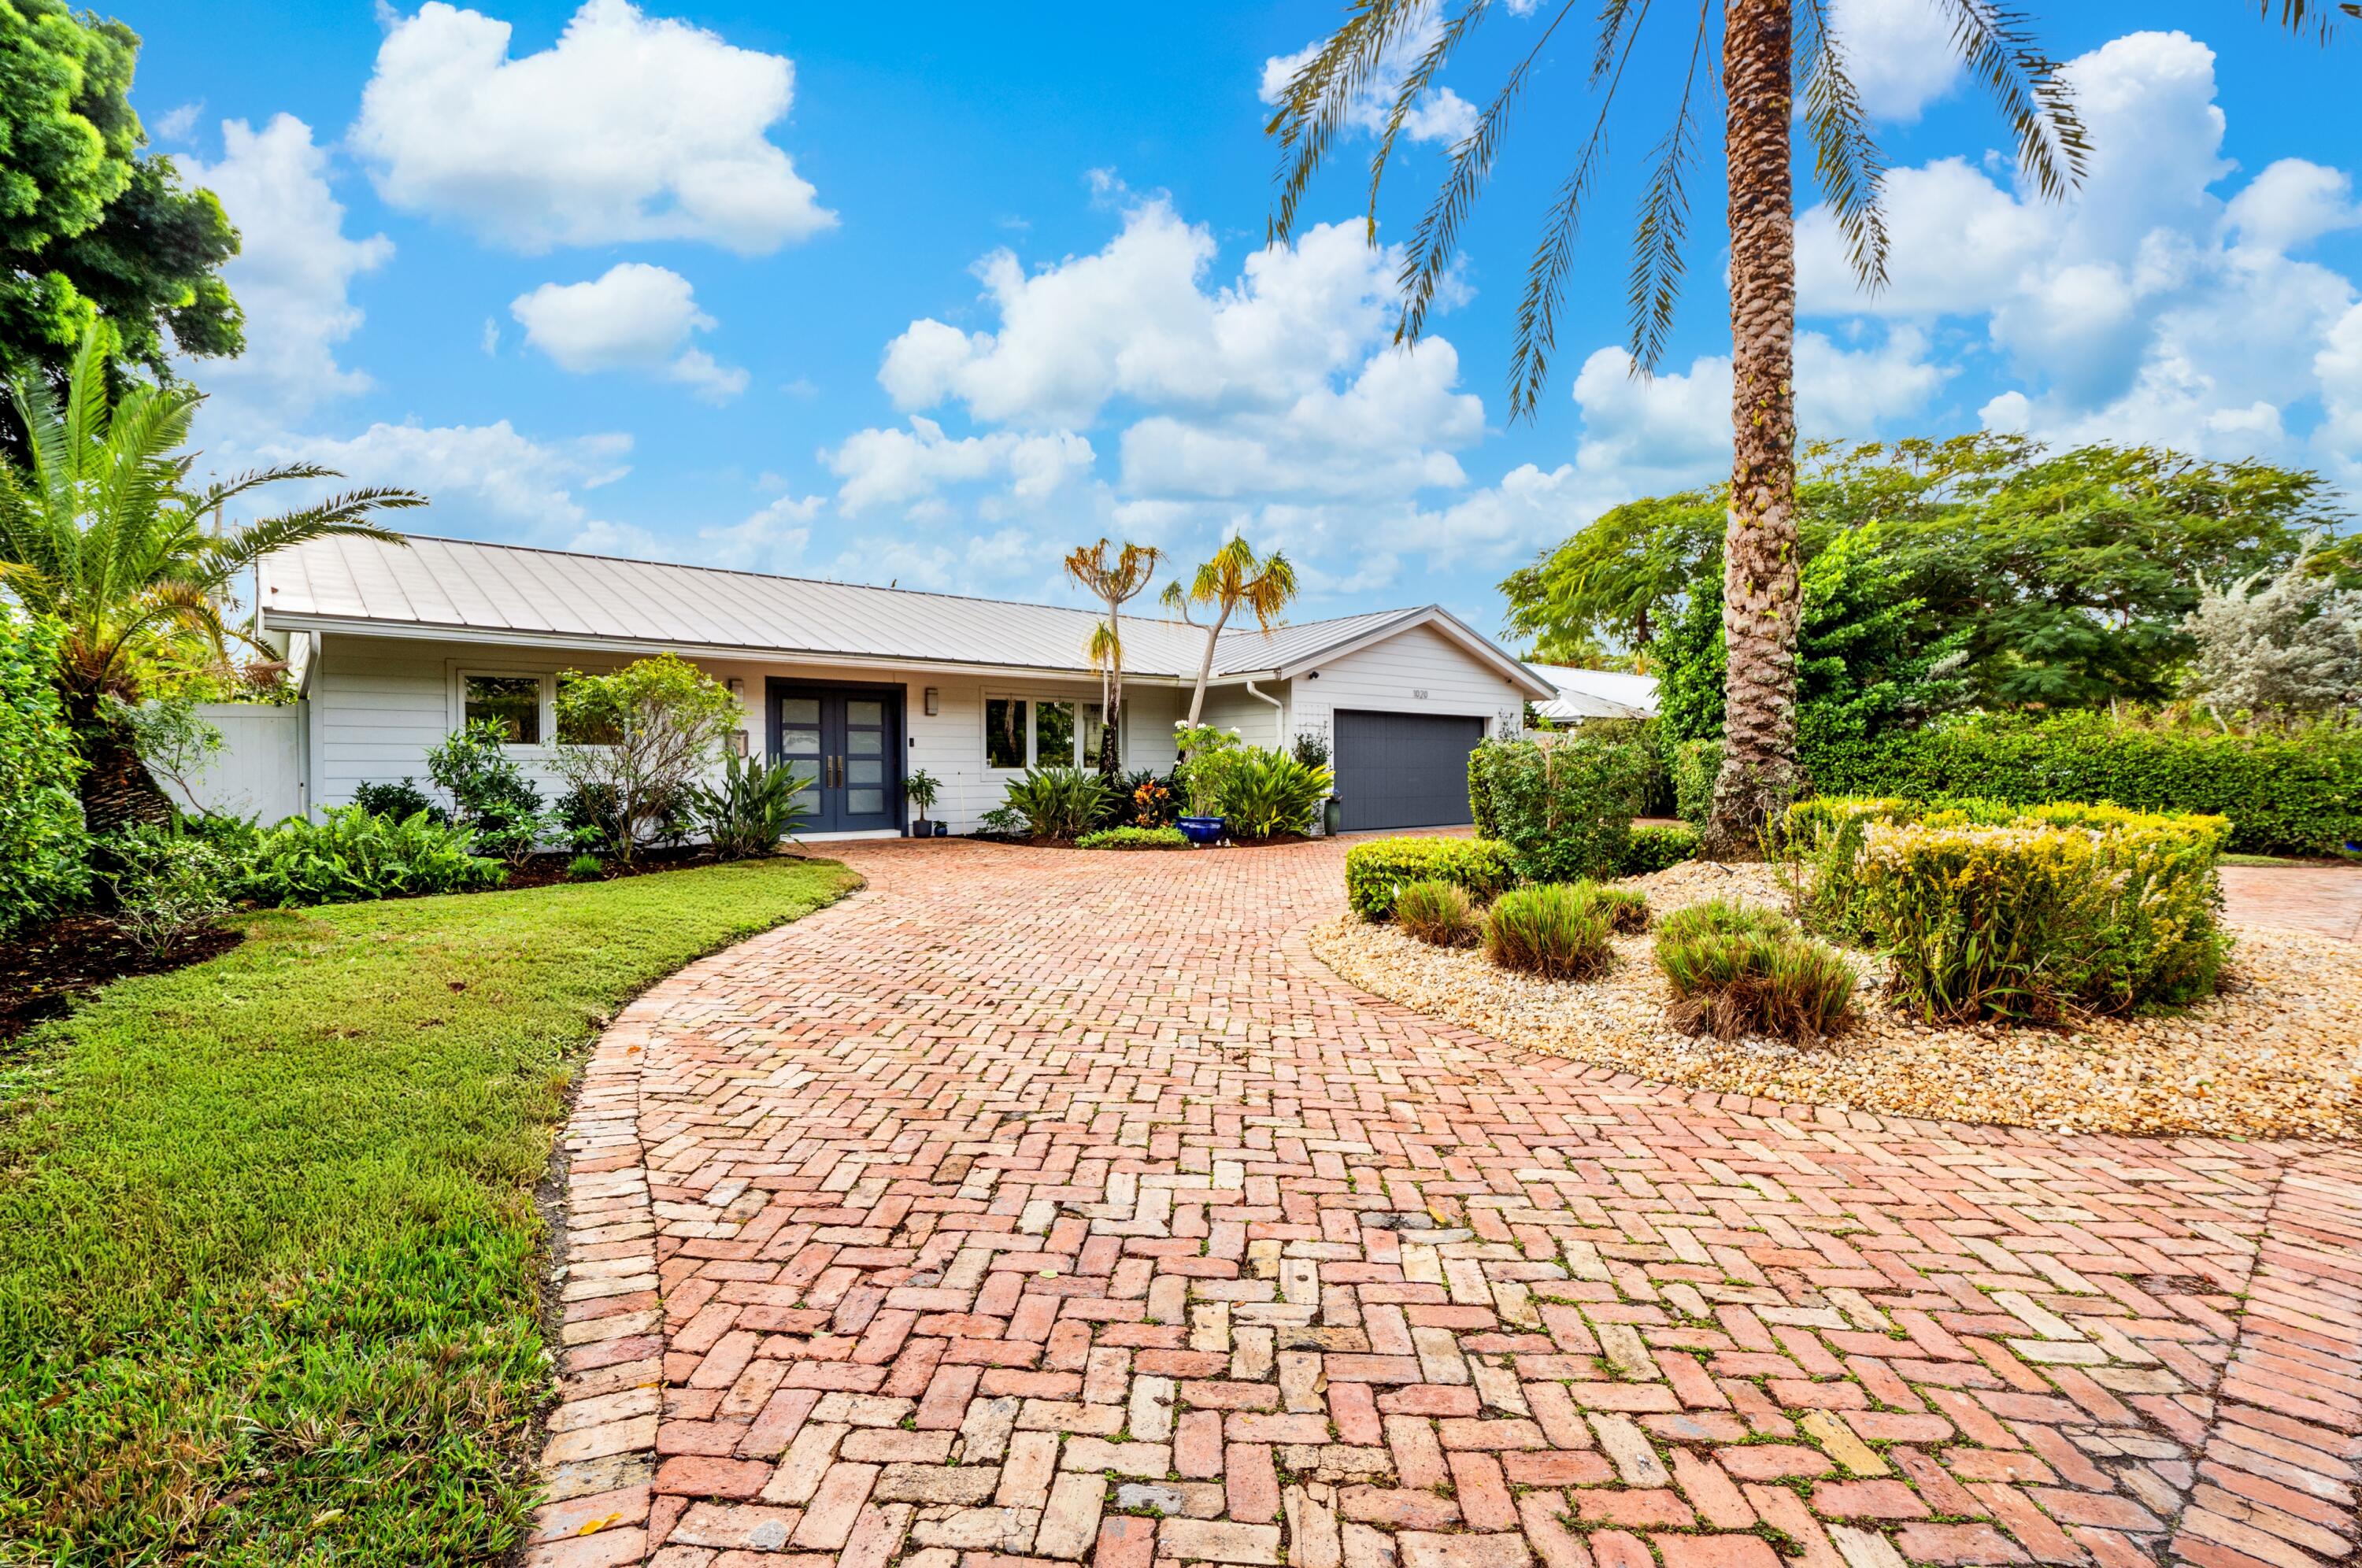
point(1396, 770)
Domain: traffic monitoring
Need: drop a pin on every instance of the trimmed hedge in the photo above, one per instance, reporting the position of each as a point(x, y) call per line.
point(1565, 805)
point(2298, 793)
point(1658, 846)
point(1377, 871)
point(1133, 838)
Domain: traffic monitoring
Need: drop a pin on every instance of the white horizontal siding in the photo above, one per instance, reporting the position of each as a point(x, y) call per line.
point(1416, 671)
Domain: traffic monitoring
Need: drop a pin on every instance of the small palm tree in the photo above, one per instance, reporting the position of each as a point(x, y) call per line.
point(101, 533)
point(1235, 579)
point(1115, 582)
point(1771, 50)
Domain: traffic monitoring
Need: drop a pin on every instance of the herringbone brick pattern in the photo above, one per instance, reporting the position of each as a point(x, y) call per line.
point(1036, 1206)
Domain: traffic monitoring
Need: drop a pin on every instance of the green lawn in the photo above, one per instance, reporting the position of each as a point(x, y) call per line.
point(269, 1248)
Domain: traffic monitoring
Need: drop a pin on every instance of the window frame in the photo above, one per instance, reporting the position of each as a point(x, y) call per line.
point(1080, 702)
point(546, 704)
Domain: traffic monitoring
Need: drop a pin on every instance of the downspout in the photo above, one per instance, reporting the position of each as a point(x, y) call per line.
point(1278, 712)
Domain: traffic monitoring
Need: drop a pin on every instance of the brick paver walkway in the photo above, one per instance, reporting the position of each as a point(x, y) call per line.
point(2324, 898)
point(1038, 1207)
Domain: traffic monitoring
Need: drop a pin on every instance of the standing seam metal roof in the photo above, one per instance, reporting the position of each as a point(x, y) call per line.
point(464, 586)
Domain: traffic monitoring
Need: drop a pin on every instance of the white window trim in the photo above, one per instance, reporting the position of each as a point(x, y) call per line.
point(1033, 701)
point(547, 679)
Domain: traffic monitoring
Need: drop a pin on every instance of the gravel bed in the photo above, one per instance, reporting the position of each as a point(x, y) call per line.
point(2279, 1053)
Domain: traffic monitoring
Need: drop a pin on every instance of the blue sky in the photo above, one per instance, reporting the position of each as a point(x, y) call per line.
point(928, 294)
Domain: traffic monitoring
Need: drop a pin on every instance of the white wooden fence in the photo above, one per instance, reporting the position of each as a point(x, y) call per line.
point(258, 772)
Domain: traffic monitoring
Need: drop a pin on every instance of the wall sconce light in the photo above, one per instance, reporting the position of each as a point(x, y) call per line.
point(737, 743)
point(933, 706)
point(738, 687)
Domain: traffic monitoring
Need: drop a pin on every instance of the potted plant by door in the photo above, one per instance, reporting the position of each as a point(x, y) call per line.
point(1201, 785)
point(920, 786)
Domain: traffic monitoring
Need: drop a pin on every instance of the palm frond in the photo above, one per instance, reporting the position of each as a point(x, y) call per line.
point(339, 516)
point(1998, 47)
point(1428, 258)
point(1845, 157)
point(1413, 87)
point(1613, 16)
point(2298, 17)
point(239, 484)
point(1657, 264)
point(1537, 333)
point(1322, 92)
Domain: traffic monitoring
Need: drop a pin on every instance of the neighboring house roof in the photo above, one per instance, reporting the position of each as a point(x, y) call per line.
point(1596, 694)
point(510, 594)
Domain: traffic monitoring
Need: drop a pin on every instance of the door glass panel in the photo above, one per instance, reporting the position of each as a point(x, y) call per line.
point(1054, 734)
point(865, 802)
point(800, 710)
point(809, 798)
point(800, 742)
point(859, 772)
point(1004, 731)
point(864, 743)
point(858, 713)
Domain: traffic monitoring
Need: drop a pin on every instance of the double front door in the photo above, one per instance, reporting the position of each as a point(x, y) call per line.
point(847, 740)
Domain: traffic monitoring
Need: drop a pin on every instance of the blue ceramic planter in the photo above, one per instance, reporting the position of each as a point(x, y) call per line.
point(1201, 829)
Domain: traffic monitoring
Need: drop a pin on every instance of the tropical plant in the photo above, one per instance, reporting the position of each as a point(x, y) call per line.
point(44, 850)
point(757, 805)
point(350, 855)
point(1558, 931)
point(1265, 794)
point(1058, 802)
point(1766, 90)
point(173, 738)
point(1154, 802)
point(658, 724)
point(920, 787)
point(99, 228)
point(1235, 579)
point(1207, 755)
point(1113, 582)
point(397, 800)
point(1736, 970)
point(1134, 838)
point(168, 886)
point(490, 793)
point(101, 533)
point(1438, 913)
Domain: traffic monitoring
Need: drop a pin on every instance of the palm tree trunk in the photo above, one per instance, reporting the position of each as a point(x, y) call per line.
point(115, 787)
point(1206, 666)
point(1759, 569)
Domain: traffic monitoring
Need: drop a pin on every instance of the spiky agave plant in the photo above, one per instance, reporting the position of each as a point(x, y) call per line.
point(1772, 52)
point(102, 532)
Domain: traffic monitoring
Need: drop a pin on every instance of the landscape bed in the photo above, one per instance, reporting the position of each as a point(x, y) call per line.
point(270, 1256)
point(2279, 1053)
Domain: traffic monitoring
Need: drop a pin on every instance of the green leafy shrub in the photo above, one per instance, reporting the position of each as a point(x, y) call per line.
point(757, 806)
point(1058, 802)
point(2064, 912)
point(353, 855)
point(1736, 971)
point(1435, 912)
point(1376, 872)
point(1266, 793)
point(920, 787)
point(1654, 847)
point(44, 848)
point(585, 868)
point(1556, 930)
point(490, 794)
point(1564, 804)
point(397, 800)
point(168, 886)
point(2297, 791)
point(1695, 765)
point(641, 739)
point(1133, 838)
point(1207, 757)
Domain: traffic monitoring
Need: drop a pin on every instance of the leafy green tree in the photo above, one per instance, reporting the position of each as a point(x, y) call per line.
point(92, 226)
point(101, 533)
point(642, 740)
point(1616, 583)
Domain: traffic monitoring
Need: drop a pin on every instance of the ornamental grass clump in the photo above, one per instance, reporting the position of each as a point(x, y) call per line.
point(1558, 931)
point(2068, 912)
point(1737, 971)
point(1437, 913)
point(1626, 908)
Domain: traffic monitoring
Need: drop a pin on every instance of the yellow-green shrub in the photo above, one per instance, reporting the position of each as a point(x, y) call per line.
point(1376, 872)
point(2069, 909)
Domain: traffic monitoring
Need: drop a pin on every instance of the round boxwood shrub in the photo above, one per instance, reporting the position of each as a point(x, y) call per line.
point(1376, 872)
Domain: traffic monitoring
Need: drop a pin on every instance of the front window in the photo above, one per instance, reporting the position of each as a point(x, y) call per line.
point(1094, 724)
point(512, 702)
point(1005, 731)
point(1054, 734)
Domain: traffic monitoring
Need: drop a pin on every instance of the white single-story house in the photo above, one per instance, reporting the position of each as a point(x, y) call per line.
point(1594, 694)
point(394, 646)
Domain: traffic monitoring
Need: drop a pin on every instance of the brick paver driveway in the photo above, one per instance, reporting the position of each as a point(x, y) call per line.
point(1059, 1207)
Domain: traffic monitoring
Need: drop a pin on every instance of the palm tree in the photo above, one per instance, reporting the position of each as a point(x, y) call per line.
point(1234, 580)
point(1761, 43)
point(102, 534)
point(1114, 582)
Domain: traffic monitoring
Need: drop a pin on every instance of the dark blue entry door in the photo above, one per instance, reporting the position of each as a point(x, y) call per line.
point(847, 740)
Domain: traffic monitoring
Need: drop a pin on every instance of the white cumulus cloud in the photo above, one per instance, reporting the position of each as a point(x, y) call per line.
point(1899, 53)
point(629, 128)
point(632, 316)
point(1440, 115)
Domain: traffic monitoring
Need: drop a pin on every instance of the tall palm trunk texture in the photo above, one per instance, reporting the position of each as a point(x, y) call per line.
point(1760, 584)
